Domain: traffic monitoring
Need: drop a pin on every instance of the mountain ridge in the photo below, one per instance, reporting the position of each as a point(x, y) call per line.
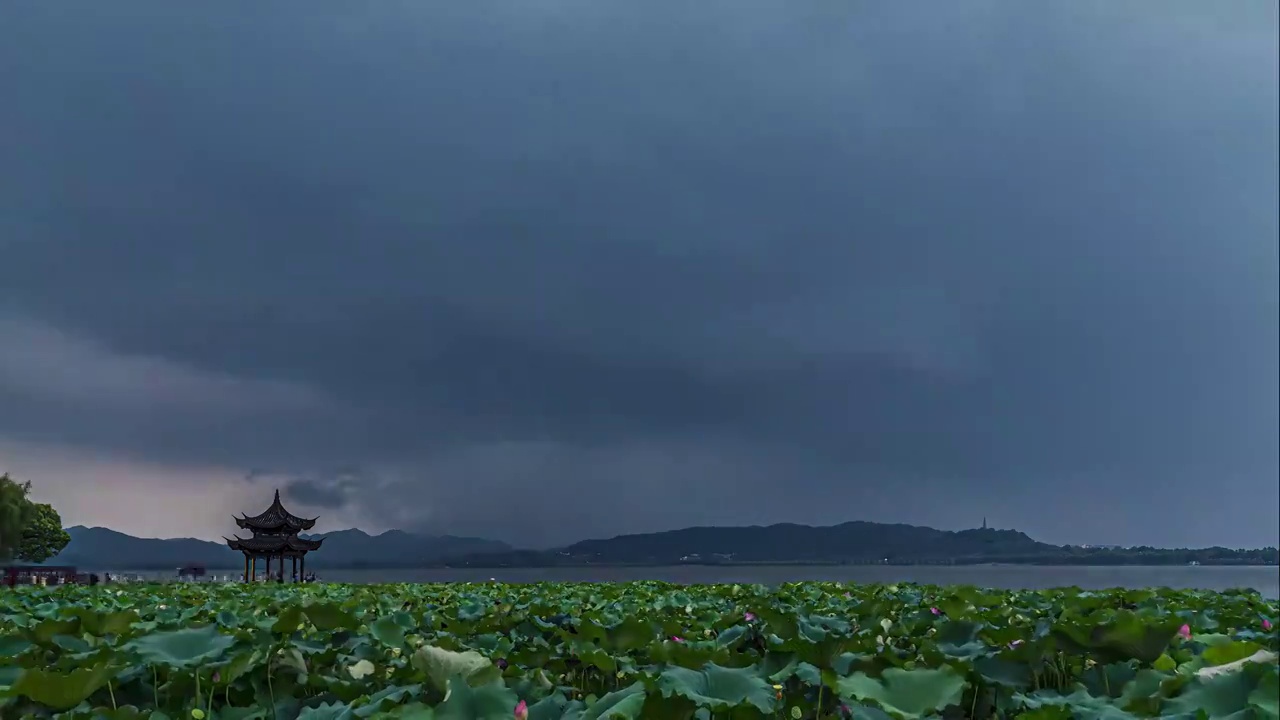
point(100, 547)
point(855, 542)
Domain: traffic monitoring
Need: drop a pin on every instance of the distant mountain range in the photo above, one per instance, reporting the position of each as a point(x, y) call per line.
point(848, 543)
point(852, 542)
point(101, 548)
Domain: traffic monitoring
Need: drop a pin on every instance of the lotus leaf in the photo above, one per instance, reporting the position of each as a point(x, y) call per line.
point(1266, 696)
point(487, 702)
point(1222, 696)
point(62, 691)
point(441, 665)
point(959, 640)
point(1005, 673)
point(1078, 702)
point(636, 651)
point(719, 688)
point(910, 693)
point(387, 631)
point(625, 704)
point(330, 616)
point(1124, 636)
point(327, 711)
point(1229, 652)
point(182, 648)
point(12, 645)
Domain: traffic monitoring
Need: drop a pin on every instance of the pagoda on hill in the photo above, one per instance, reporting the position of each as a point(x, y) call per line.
point(275, 535)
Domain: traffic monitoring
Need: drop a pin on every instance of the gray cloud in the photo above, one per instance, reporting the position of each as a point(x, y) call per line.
point(575, 268)
point(328, 493)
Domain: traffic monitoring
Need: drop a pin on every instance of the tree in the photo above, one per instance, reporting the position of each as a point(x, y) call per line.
point(15, 513)
point(43, 536)
point(30, 532)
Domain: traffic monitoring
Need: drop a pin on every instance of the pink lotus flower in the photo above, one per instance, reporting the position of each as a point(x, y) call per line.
point(1185, 632)
point(522, 711)
point(1266, 624)
point(935, 611)
point(677, 639)
point(751, 616)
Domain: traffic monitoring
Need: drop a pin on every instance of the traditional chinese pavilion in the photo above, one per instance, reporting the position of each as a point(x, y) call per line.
point(275, 535)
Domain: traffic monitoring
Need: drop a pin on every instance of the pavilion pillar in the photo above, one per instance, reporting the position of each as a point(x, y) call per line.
point(246, 567)
point(275, 535)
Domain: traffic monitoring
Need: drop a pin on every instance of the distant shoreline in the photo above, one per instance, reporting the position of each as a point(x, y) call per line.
point(855, 546)
point(348, 568)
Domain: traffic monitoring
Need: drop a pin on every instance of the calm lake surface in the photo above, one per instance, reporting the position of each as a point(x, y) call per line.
point(1264, 579)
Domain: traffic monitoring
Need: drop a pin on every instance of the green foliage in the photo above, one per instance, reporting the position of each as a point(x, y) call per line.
point(908, 693)
point(30, 532)
point(42, 535)
point(637, 651)
point(15, 513)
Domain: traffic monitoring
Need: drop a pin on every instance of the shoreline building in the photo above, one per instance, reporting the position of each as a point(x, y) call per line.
point(275, 536)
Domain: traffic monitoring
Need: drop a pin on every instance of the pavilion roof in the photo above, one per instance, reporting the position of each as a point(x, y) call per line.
point(273, 544)
point(275, 518)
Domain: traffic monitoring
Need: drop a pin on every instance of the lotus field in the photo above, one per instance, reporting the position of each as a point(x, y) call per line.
point(638, 650)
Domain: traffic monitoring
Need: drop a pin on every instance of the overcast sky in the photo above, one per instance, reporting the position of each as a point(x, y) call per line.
point(539, 271)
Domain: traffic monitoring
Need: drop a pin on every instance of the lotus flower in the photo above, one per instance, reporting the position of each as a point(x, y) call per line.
point(1266, 624)
point(935, 611)
point(1185, 632)
point(751, 616)
point(1014, 644)
point(522, 711)
point(677, 639)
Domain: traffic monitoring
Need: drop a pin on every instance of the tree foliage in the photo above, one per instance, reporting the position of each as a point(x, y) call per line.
point(15, 513)
point(30, 532)
point(43, 536)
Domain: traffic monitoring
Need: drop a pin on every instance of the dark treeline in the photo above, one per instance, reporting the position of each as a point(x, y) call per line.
point(855, 543)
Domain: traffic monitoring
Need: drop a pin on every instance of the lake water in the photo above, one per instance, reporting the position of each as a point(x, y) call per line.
point(1264, 579)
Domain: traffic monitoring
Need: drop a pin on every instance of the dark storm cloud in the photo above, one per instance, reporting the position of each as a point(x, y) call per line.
point(529, 261)
point(329, 491)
